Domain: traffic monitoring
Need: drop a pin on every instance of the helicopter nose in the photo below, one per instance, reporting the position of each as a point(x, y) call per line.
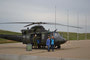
point(64, 40)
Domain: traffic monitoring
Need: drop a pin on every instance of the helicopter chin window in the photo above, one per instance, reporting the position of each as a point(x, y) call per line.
point(55, 34)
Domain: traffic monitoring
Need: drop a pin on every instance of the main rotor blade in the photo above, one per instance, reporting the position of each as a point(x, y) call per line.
point(35, 23)
point(16, 23)
point(32, 23)
point(28, 25)
point(65, 25)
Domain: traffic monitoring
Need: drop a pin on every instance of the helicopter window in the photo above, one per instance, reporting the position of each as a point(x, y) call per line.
point(56, 34)
point(24, 32)
point(43, 36)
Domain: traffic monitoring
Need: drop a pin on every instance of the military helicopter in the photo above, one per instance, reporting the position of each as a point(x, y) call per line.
point(36, 34)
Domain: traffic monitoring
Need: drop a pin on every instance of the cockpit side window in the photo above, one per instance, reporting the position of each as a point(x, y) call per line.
point(56, 34)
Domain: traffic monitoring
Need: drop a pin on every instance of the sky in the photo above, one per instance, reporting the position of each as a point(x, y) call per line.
point(74, 11)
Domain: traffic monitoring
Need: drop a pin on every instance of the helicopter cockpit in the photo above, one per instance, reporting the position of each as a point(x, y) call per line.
point(58, 37)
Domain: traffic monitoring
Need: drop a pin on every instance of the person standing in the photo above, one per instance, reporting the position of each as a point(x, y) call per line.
point(52, 43)
point(48, 43)
point(38, 42)
point(35, 41)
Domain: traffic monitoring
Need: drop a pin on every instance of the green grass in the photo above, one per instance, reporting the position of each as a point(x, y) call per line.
point(6, 41)
point(9, 32)
point(73, 36)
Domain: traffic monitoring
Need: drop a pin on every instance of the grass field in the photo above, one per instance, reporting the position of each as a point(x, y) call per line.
point(9, 32)
point(72, 36)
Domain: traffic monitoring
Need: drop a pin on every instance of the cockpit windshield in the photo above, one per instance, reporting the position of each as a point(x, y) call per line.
point(56, 34)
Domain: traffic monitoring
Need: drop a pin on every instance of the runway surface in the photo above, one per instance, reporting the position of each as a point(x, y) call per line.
point(71, 49)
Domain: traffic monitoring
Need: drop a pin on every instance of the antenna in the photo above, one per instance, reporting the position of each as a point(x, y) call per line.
point(55, 17)
point(78, 26)
point(67, 24)
point(86, 27)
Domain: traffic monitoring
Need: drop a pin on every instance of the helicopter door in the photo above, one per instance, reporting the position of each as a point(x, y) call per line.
point(35, 37)
point(31, 37)
point(39, 37)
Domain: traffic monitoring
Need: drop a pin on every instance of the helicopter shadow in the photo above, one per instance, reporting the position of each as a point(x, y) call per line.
point(71, 48)
point(57, 48)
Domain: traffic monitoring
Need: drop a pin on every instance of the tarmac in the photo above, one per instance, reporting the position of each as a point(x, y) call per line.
point(76, 49)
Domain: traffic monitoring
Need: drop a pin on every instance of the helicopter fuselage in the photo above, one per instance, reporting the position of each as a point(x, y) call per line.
point(35, 34)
